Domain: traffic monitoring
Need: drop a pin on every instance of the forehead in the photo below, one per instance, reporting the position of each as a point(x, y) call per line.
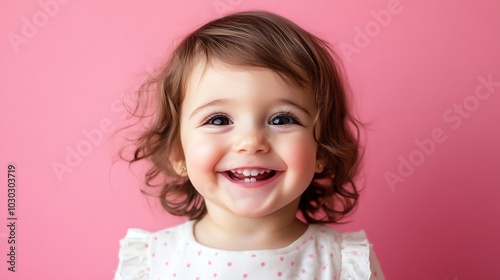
point(216, 79)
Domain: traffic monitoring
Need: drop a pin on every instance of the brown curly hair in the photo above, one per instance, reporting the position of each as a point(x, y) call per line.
point(267, 40)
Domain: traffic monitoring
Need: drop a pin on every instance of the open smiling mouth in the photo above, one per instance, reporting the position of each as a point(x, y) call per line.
point(250, 176)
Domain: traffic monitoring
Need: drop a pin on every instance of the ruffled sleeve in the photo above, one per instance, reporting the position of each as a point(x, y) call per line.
point(358, 258)
point(133, 261)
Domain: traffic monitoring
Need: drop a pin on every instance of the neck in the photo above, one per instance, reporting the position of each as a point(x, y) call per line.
point(225, 230)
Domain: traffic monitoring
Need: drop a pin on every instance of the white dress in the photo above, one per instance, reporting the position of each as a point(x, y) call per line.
point(320, 253)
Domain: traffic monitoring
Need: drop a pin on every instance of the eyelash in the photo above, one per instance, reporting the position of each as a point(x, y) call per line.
point(293, 118)
point(288, 114)
point(214, 116)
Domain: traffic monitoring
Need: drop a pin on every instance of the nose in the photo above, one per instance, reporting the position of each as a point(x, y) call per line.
point(252, 141)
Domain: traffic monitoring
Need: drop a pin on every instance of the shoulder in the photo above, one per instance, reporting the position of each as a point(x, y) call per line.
point(133, 263)
point(137, 246)
point(358, 257)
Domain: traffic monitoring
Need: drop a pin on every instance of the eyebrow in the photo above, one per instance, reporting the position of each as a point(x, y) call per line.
point(209, 104)
point(224, 101)
point(290, 102)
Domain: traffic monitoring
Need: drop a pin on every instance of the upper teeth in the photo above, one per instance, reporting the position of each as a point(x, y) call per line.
point(248, 172)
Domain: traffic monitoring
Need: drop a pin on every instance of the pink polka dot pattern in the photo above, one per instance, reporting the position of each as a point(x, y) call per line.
point(174, 253)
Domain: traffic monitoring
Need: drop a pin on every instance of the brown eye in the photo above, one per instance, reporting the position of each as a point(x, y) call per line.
point(283, 119)
point(219, 120)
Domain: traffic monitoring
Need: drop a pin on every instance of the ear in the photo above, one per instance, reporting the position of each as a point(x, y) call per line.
point(320, 166)
point(320, 162)
point(179, 167)
point(177, 160)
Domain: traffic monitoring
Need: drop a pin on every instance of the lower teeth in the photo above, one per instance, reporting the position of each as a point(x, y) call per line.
point(250, 180)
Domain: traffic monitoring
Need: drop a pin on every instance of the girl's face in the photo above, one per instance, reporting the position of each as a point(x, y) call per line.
point(247, 139)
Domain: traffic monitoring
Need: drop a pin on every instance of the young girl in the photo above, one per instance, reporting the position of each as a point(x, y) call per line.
point(253, 133)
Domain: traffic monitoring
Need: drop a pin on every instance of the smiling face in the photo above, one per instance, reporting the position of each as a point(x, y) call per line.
point(247, 139)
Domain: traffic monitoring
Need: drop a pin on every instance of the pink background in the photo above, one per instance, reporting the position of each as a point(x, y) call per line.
point(66, 65)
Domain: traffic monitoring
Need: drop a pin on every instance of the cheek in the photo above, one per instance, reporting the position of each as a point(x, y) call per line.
point(202, 153)
point(300, 154)
point(202, 156)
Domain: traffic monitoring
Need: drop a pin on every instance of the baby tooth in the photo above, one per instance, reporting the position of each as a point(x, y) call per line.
point(248, 172)
point(250, 180)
